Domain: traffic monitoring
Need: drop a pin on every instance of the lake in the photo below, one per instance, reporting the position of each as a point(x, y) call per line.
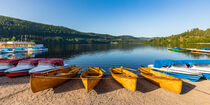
point(111, 55)
point(106, 56)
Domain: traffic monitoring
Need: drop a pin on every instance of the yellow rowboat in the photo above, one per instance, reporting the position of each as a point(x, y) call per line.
point(52, 78)
point(124, 77)
point(91, 77)
point(163, 80)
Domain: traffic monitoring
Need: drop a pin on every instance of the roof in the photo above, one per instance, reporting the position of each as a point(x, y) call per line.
point(58, 61)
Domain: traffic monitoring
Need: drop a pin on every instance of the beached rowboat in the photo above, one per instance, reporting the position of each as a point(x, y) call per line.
point(52, 78)
point(164, 81)
point(46, 65)
point(7, 64)
point(22, 67)
point(124, 77)
point(91, 77)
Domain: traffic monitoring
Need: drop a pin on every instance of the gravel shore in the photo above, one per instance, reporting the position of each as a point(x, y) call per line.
point(16, 91)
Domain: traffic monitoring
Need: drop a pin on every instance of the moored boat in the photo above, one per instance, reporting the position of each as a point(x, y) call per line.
point(163, 80)
point(22, 67)
point(126, 78)
point(91, 77)
point(7, 50)
point(37, 48)
point(46, 65)
point(52, 78)
point(19, 49)
point(7, 64)
point(179, 49)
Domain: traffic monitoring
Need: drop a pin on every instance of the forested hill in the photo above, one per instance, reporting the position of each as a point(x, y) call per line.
point(17, 30)
point(193, 36)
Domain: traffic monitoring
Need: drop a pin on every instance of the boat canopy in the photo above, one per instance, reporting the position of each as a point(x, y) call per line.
point(162, 63)
point(33, 60)
point(6, 49)
point(12, 61)
point(19, 54)
point(19, 48)
point(206, 48)
point(38, 47)
point(54, 61)
point(6, 55)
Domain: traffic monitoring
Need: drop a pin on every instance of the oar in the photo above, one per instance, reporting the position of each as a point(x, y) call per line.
point(83, 69)
point(130, 69)
point(103, 70)
point(97, 70)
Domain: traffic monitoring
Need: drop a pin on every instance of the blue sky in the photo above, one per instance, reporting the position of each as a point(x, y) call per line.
point(141, 18)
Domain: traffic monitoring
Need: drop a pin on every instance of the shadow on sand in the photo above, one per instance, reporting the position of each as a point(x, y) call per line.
point(71, 85)
point(186, 87)
point(144, 85)
point(14, 81)
point(107, 84)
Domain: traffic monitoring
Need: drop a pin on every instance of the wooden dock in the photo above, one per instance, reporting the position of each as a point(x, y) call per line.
point(198, 50)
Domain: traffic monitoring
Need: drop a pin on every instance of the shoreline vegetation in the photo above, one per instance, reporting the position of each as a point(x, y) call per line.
point(194, 36)
point(12, 29)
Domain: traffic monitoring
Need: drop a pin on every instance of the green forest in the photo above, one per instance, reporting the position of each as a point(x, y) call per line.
point(12, 29)
point(195, 35)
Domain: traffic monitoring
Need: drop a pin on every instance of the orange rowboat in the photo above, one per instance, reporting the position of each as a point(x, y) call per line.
point(125, 77)
point(163, 80)
point(52, 78)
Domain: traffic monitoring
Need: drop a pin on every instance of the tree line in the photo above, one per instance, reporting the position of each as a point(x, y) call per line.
point(195, 35)
point(12, 29)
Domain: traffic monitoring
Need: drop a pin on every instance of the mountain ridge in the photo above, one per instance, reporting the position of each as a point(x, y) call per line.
point(17, 29)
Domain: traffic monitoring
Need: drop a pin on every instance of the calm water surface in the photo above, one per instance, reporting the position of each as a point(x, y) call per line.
point(106, 56)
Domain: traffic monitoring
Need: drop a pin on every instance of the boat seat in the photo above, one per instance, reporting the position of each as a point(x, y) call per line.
point(90, 76)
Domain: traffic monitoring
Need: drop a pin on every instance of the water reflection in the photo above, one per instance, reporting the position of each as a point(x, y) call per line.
point(107, 56)
point(21, 55)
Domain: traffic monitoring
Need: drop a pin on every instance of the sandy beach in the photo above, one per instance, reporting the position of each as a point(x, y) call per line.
point(16, 91)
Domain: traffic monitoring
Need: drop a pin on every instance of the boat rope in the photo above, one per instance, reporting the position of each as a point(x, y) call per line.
point(75, 78)
point(202, 91)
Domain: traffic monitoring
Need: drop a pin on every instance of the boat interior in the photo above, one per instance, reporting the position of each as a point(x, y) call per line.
point(92, 72)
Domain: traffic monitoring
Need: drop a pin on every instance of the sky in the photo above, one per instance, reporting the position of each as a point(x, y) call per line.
point(140, 18)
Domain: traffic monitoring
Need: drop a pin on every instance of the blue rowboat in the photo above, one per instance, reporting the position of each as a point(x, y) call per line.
point(189, 77)
point(205, 75)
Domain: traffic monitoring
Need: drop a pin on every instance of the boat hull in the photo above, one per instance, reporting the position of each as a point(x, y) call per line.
point(16, 74)
point(180, 50)
point(163, 80)
point(205, 75)
point(189, 77)
point(48, 80)
point(2, 73)
point(91, 78)
point(90, 83)
point(129, 82)
point(35, 50)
